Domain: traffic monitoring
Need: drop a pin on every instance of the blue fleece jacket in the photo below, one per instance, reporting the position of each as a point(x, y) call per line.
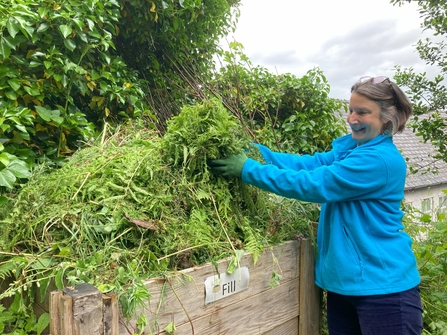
point(362, 248)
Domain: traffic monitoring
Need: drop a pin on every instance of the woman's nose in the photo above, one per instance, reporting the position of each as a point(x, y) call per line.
point(350, 118)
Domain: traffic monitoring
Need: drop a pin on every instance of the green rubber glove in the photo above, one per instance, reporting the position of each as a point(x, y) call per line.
point(230, 166)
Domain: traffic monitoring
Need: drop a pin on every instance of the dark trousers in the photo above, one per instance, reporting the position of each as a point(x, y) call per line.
point(387, 314)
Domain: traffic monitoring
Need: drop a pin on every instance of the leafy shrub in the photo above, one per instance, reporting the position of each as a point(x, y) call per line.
point(59, 77)
point(283, 111)
point(67, 66)
point(172, 45)
point(431, 253)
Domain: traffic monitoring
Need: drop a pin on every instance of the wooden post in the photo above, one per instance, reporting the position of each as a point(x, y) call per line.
point(87, 309)
point(310, 294)
point(111, 315)
point(66, 313)
point(83, 310)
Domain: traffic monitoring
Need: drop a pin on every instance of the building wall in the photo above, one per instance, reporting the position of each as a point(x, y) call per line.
point(428, 199)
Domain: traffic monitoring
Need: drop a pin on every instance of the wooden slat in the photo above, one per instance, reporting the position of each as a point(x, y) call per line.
point(287, 328)
point(252, 316)
point(310, 294)
point(55, 316)
point(110, 315)
point(189, 294)
point(291, 308)
point(66, 314)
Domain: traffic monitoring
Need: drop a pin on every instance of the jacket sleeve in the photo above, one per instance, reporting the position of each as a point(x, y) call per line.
point(295, 161)
point(358, 176)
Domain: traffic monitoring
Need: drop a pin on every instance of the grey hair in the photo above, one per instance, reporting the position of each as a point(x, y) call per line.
point(394, 104)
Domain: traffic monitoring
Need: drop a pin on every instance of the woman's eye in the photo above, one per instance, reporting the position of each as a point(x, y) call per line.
point(359, 112)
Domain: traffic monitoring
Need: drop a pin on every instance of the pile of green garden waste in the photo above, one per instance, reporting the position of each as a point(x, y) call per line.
point(135, 205)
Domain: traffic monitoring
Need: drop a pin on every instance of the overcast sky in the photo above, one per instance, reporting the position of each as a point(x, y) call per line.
point(347, 39)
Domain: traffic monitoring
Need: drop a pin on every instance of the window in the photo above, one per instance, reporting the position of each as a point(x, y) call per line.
point(426, 205)
point(442, 204)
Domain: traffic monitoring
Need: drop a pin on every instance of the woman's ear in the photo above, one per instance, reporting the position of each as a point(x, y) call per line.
point(387, 128)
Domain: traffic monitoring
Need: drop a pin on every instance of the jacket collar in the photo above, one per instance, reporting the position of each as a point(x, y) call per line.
point(342, 146)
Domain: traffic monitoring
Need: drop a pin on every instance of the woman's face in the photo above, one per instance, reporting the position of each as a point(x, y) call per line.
point(364, 118)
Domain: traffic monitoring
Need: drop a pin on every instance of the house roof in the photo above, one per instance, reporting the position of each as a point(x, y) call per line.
point(418, 154)
point(431, 172)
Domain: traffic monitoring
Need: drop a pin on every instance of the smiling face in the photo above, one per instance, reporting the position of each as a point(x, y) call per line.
point(364, 118)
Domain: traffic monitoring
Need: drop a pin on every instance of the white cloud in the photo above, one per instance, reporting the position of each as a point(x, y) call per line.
point(346, 38)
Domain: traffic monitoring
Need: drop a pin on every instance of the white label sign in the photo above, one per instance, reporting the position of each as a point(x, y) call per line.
point(221, 286)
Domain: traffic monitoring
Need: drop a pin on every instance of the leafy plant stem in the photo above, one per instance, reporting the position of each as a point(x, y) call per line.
point(80, 187)
point(104, 132)
point(181, 304)
point(190, 248)
point(120, 235)
point(221, 224)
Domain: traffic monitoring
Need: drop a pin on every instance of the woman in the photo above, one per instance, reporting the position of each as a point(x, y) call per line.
point(364, 261)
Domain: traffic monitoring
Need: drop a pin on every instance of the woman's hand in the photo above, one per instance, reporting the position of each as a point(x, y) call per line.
point(230, 166)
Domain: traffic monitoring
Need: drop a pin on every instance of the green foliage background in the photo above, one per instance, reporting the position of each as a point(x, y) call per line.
point(429, 99)
point(68, 65)
point(429, 95)
point(281, 111)
point(430, 249)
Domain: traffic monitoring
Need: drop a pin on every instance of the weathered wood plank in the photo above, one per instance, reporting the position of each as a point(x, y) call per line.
point(66, 315)
point(185, 298)
point(252, 316)
point(55, 316)
point(87, 309)
point(310, 294)
point(111, 315)
point(83, 309)
point(291, 308)
point(287, 328)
